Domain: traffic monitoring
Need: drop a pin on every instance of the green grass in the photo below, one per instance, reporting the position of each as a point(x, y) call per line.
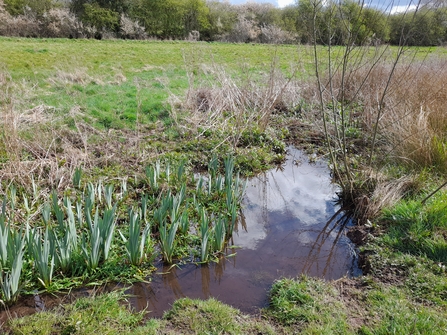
point(107, 78)
point(364, 306)
point(194, 316)
point(108, 314)
point(418, 229)
point(307, 305)
point(102, 314)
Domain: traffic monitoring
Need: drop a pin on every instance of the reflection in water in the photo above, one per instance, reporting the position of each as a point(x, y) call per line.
point(289, 225)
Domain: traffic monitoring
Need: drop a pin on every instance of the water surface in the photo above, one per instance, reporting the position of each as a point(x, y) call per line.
point(290, 224)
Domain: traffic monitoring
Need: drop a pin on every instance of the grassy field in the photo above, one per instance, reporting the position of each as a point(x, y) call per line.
point(101, 141)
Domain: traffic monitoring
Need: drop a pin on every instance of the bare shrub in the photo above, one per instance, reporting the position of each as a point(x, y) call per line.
point(194, 35)
point(275, 35)
point(245, 30)
point(412, 125)
point(21, 25)
point(131, 29)
point(60, 22)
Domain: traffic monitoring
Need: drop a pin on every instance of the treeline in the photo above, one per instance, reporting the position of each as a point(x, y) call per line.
point(308, 21)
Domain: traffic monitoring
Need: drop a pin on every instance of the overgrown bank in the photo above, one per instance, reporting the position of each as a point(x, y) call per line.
point(250, 114)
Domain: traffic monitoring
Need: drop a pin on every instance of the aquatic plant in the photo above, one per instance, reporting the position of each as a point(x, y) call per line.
point(108, 194)
point(181, 170)
point(10, 280)
point(205, 234)
point(135, 244)
point(167, 240)
point(42, 250)
point(153, 174)
point(219, 232)
point(97, 242)
point(184, 222)
point(77, 177)
point(143, 208)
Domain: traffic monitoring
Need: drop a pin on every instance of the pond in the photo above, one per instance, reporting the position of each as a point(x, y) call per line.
point(290, 224)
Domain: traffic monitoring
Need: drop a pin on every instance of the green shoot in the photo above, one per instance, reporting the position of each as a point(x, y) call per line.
point(77, 177)
point(43, 252)
point(167, 240)
point(135, 246)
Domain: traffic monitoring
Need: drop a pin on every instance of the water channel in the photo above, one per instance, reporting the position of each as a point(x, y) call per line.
point(290, 224)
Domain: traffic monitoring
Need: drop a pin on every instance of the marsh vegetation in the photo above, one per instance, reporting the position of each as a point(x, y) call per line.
point(116, 153)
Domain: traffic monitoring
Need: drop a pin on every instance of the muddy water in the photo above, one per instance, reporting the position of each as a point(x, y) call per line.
point(290, 225)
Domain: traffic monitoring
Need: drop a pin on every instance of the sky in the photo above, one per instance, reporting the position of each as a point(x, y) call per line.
point(278, 3)
point(396, 5)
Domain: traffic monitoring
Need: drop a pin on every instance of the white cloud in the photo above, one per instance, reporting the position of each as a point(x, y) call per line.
point(284, 3)
point(402, 9)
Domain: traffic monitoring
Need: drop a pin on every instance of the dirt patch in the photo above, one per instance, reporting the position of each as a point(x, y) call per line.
point(358, 235)
point(351, 292)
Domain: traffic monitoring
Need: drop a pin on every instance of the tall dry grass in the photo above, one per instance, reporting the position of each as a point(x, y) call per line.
point(399, 107)
point(413, 121)
point(233, 103)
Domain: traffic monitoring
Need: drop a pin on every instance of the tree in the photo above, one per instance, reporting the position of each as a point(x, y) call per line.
point(196, 15)
point(222, 17)
point(424, 27)
point(100, 18)
point(38, 7)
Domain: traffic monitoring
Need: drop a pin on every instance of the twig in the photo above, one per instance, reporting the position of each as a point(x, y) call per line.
point(433, 193)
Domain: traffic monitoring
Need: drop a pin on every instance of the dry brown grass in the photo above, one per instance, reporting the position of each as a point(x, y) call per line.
point(38, 147)
point(407, 102)
point(412, 125)
point(232, 104)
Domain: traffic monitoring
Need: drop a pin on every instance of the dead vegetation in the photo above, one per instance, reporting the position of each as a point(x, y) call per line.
point(232, 105)
point(412, 122)
point(38, 147)
point(379, 114)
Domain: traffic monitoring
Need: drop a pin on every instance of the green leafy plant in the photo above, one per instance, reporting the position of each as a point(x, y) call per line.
point(42, 249)
point(167, 240)
point(205, 234)
point(97, 242)
point(77, 176)
point(136, 242)
point(10, 280)
point(219, 231)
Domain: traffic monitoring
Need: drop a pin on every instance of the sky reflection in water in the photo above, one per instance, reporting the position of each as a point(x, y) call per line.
point(289, 225)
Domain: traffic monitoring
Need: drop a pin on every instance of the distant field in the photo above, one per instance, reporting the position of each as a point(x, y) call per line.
point(103, 77)
point(111, 79)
